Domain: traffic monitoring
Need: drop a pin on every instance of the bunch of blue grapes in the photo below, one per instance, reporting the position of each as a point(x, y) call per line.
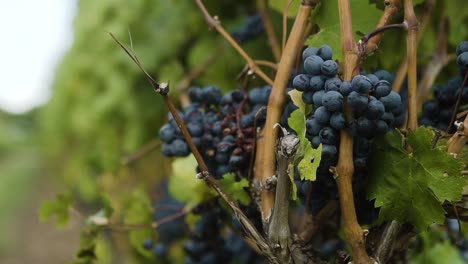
point(438, 111)
point(222, 127)
point(251, 29)
point(376, 108)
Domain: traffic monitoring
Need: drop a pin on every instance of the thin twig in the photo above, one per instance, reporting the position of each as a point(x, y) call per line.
point(272, 38)
point(147, 148)
point(214, 23)
point(392, 7)
point(269, 64)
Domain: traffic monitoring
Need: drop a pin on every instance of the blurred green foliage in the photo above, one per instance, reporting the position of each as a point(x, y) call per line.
point(102, 107)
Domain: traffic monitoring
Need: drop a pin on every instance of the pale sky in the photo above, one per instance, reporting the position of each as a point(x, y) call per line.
point(34, 35)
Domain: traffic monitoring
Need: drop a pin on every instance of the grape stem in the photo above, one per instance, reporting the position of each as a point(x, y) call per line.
point(402, 70)
point(392, 7)
point(249, 228)
point(214, 23)
point(143, 151)
point(344, 169)
point(411, 56)
point(270, 32)
point(275, 106)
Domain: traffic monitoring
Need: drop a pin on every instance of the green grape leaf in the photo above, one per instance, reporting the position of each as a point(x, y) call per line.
point(58, 208)
point(184, 186)
point(410, 187)
point(235, 189)
point(307, 158)
point(279, 5)
point(441, 253)
point(138, 211)
point(364, 18)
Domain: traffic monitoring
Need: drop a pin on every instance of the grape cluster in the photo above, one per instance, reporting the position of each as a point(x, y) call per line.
point(222, 127)
point(376, 108)
point(438, 112)
point(252, 28)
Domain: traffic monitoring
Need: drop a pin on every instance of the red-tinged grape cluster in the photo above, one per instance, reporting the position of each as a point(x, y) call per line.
point(251, 29)
point(222, 127)
point(438, 112)
point(376, 108)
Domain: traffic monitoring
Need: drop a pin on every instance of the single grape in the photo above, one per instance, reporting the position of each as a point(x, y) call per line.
point(325, 52)
point(309, 52)
point(391, 101)
point(317, 98)
point(313, 127)
point(329, 68)
point(328, 136)
point(179, 148)
point(333, 84)
point(316, 83)
point(374, 79)
point(375, 109)
point(381, 89)
point(322, 115)
point(384, 75)
point(361, 84)
point(462, 61)
point(337, 120)
point(160, 250)
point(316, 142)
point(147, 244)
point(462, 47)
point(167, 150)
point(332, 100)
point(166, 133)
point(301, 82)
point(345, 88)
point(313, 64)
